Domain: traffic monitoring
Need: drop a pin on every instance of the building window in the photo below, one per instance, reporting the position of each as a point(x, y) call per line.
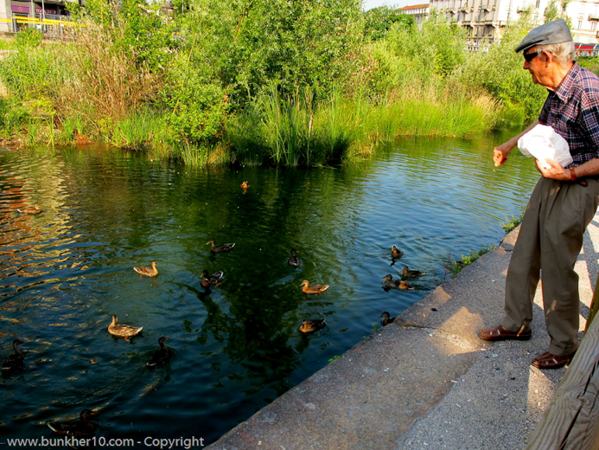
point(580, 24)
point(593, 25)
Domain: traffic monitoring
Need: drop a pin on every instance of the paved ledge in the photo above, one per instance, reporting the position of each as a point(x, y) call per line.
point(426, 381)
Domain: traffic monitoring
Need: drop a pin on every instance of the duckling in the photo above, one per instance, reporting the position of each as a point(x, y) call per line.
point(160, 356)
point(121, 330)
point(35, 209)
point(147, 271)
point(211, 280)
point(387, 320)
point(14, 361)
point(83, 428)
point(220, 248)
point(396, 253)
point(398, 284)
point(294, 260)
point(245, 185)
point(407, 273)
point(315, 289)
point(310, 326)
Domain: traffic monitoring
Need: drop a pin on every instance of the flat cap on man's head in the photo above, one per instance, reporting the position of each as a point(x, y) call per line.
point(554, 32)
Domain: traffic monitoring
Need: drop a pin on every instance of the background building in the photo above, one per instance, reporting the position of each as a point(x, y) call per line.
point(15, 15)
point(485, 20)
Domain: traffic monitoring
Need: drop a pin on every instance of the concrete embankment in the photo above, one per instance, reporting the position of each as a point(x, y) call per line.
point(426, 380)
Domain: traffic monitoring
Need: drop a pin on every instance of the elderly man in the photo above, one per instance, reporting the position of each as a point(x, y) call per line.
point(562, 204)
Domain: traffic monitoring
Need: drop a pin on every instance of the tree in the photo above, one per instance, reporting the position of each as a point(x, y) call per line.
point(378, 21)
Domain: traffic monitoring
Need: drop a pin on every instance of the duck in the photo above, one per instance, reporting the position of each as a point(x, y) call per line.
point(396, 253)
point(294, 260)
point(14, 361)
point(35, 209)
point(121, 330)
point(407, 273)
point(147, 271)
point(220, 248)
point(211, 280)
point(315, 289)
point(245, 185)
point(310, 326)
point(391, 283)
point(83, 428)
point(386, 319)
point(160, 356)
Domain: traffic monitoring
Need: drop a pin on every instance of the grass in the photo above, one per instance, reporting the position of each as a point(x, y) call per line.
point(512, 224)
point(455, 267)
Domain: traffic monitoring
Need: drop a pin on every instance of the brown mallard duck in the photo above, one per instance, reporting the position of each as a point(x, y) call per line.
point(294, 260)
point(35, 209)
point(220, 248)
point(81, 429)
point(14, 361)
point(407, 273)
point(386, 318)
point(245, 185)
point(310, 326)
point(398, 284)
point(396, 253)
point(160, 356)
point(147, 271)
point(121, 330)
point(211, 280)
point(315, 289)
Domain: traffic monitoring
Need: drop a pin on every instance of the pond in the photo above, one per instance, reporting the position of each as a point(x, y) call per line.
point(236, 347)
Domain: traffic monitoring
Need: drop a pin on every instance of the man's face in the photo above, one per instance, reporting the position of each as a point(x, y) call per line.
point(534, 63)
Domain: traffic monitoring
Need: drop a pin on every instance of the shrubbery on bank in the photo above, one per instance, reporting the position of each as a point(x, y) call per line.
point(262, 82)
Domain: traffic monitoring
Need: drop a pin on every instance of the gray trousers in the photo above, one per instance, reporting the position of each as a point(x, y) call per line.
point(549, 242)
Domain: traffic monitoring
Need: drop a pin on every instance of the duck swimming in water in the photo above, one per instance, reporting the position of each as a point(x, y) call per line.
point(147, 271)
point(83, 428)
point(220, 248)
point(315, 289)
point(407, 273)
point(398, 284)
point(294, 260)
point(160, 356)
point(122, 330)
point(35, 209)
point(396, 253)
point(310, 326)
point(15, 361)
point(386, 319)
point(211, 280)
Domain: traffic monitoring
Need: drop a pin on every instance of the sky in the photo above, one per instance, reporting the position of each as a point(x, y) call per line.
point(368, 4)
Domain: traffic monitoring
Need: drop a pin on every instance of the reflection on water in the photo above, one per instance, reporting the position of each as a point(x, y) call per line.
point(236, 345)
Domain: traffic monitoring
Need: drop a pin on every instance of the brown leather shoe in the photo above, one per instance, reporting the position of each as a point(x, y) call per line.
point(550, 361)
point(499, 333)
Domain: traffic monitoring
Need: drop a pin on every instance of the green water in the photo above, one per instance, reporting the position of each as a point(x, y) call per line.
point(236, 347)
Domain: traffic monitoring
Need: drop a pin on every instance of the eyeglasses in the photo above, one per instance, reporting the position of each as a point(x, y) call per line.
point(530, 56)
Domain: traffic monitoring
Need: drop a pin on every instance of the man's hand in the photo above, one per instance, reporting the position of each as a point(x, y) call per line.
point(555, 172)
point(500, 154)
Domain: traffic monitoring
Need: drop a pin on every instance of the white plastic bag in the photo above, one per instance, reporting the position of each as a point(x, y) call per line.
point(543, 142)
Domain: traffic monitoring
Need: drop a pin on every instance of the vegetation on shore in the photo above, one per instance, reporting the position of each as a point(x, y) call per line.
point(455, 267)
point(262, 82)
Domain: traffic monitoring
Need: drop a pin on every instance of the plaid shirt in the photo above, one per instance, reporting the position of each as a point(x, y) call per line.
point(573, 112)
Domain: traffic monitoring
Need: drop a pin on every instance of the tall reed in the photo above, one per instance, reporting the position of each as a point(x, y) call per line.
point(141, 130)
point(300, 131)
